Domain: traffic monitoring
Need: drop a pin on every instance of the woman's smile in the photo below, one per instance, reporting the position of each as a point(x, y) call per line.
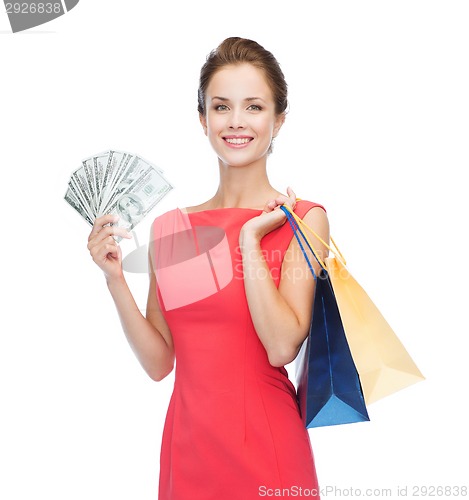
point(237, 141)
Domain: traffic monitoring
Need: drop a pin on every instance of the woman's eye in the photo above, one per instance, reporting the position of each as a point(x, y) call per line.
point(254, 107)
point(221, 107)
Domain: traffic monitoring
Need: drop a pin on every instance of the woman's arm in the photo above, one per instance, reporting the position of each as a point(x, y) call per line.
point(281, 316)
point(150, 337)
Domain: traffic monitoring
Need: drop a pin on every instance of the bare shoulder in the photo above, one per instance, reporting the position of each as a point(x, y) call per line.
point(316, 218)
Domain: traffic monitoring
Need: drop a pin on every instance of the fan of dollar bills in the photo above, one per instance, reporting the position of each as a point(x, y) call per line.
point(116, 182)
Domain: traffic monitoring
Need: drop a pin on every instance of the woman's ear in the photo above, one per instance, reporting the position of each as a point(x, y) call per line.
point(279, 121)
point(203, 122)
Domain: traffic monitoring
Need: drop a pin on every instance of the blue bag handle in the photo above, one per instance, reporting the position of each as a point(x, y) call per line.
point(296, 229)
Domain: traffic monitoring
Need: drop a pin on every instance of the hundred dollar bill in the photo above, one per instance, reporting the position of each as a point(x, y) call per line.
point(134, 203)
point(75, 203)
point(100, 163)
point(112, 160)
point(80, 180)
point(92, 183)
point(75, 188)
point(116, 182)
point(119, 163)
point(135, 167)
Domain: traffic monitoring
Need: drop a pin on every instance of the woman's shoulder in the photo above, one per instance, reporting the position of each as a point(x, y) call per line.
point(169, 214)
point(302, 207)
point(170, 222)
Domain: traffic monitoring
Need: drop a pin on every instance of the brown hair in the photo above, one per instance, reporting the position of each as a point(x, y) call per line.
point(237, 50)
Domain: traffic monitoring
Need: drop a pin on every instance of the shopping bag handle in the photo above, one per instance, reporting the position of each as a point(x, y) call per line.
point(302, 225)
point(297, 231)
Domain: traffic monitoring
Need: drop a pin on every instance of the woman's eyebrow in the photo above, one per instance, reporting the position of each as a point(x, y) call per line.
point(247, 98)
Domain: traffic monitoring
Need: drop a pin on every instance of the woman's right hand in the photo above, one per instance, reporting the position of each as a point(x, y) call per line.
point(104, 249)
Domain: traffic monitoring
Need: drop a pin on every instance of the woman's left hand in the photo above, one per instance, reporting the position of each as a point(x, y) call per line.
point(271, 218)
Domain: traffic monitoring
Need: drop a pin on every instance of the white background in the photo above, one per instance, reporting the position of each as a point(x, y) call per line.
point(377, 132)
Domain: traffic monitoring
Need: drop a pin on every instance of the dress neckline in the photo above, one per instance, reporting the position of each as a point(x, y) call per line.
point(184, 211)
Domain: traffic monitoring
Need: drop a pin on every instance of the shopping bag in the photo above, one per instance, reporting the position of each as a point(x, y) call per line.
point(384, 365)
point(329, 391)
point(382, 361)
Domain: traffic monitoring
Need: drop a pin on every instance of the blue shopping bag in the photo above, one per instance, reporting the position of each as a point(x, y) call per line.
point(329, 389)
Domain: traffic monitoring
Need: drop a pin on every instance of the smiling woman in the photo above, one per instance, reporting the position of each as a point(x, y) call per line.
point(230, 300)
point(240, 115)
point(235, 51)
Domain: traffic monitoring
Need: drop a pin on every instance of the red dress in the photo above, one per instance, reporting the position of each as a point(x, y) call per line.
point(233, 429)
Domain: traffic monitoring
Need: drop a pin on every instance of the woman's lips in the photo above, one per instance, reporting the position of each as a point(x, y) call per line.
point(237, 141)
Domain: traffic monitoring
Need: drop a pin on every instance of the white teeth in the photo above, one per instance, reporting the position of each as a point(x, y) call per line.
point(238, 140)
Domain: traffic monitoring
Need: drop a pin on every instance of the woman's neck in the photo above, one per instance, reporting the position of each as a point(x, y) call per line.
point(243, 187)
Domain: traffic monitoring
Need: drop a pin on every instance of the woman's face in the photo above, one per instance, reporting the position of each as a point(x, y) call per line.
point(240, 120)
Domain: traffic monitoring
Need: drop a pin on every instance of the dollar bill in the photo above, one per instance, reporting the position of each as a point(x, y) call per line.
point(71, 199)
point(116, 182)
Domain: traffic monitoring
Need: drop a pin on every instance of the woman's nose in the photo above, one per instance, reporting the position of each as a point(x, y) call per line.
point(237, 119)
